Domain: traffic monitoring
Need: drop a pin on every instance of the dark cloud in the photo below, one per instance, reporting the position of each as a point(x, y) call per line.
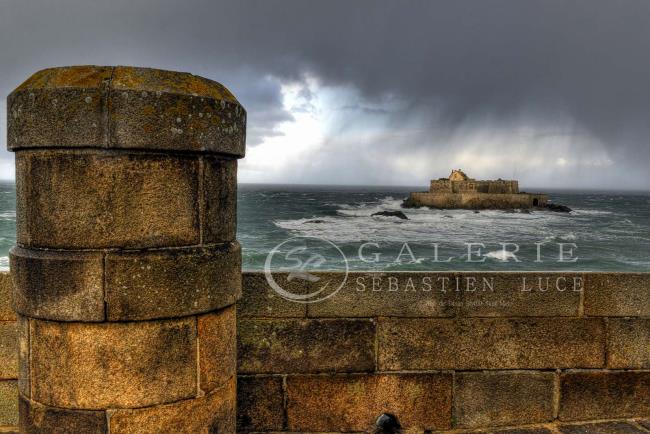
point(582, 63)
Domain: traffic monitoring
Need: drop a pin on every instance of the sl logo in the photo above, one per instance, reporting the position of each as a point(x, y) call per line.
point(290, 269)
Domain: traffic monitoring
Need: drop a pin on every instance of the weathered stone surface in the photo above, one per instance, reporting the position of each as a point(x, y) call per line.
point(40, 419)
point(113, 365)
point(628, 343)
point(260, 405)
point(300, 346)
point(483, 399)
point(212, 413)
point(490, 343)
point(157, 109)
point(219, 199)
point(217, 348)
point(535, 430)
point(604, 395)
point(601, 428)
point(390, 294)
point(96, 199)
point(343, 403)
point(171, 282)
point(6, 289)
point(520, 294)
point(617, 294)
point(58, 285)
point(8, 403)
point(59, 107)
point(8, 350)
point(23, 356)
point(260, 300)
point(125, 107)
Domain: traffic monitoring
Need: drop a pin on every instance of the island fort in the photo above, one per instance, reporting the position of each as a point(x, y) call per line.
point(461, 191)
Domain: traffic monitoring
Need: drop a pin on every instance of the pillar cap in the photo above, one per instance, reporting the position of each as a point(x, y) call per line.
point(125, 108)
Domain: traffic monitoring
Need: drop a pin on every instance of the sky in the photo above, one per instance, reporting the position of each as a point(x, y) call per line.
point(553, 93)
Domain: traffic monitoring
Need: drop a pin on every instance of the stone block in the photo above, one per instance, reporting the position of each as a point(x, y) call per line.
point(125, 107)
point(58, 285)
point(8, 350)
point(628, 343)
point(155, 109)
point(520, 294)
point(527, 430)
point(601, 428)
point(113, 365)
point(344, 403)
point(301, 346)
point(177, 282)
point(211, 413)
point(390, 294)
point(8, 403)
point(490, 343)
point(23, 356)
point(59, 107)
point(99, 199)
point(217, 348)
point(498, 398)
point(40, 419)
point(260, 300)
point(219, 199)
point(604, 395)
point(6, 296)
point(617, 294)
point(260, 403)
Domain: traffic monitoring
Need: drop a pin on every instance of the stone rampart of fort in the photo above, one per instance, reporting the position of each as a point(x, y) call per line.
point(441, 351)
point(499, 186)
point(473, 200)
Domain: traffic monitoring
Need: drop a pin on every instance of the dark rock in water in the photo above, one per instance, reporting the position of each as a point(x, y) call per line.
point(398, 214)
point(409, 203)
point(509, 211)
point(557, 208)
point(315, 221)
point(524, 211)
point(387, 423)
point(477, 211)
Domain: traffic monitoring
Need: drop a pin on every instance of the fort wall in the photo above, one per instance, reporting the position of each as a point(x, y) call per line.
point(460, 191)
point(490, 350)
point(473, 200)
point(471, 185)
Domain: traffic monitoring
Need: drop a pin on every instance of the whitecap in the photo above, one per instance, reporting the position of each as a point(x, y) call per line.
point(500, 255)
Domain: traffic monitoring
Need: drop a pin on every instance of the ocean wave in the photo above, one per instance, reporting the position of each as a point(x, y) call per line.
point(501, 255)
point(354, 223)
point(579, 211)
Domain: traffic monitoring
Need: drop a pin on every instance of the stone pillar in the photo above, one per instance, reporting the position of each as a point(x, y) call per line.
point(127, 269)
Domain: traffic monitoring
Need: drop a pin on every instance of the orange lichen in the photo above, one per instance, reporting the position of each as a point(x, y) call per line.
point(72, 76)
point(156, 80)
point(128, 78)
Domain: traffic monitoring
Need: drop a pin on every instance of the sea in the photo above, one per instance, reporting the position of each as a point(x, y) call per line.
point(606, 231)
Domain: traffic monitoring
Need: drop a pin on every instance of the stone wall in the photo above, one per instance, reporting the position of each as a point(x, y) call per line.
point(466, 358)
point(448, 357)
point(8, 358)
point(499, 186)
point(475, 200)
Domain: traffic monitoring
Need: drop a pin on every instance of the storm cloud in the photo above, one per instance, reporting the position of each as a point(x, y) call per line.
point(554, 92)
